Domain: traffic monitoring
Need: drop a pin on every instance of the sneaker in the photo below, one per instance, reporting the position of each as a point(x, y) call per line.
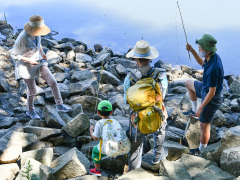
point(33, 114)
point(190, 113)
point(96, 172)
point(195, 152)
point(157, 160)
point(63, 108)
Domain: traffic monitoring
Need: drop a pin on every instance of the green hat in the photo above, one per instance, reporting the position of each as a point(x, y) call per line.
point(105, 106)
point(208, 43)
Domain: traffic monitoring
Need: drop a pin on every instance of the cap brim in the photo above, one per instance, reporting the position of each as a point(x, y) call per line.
point(154, 54)
point(41, 31)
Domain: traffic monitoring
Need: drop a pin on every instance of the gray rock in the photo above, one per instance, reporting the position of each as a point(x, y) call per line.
point(83, 58)
point(46, 173)
point(4, 86)
point(39, 145)
point(188, 70)
point(232, 119)
point(70, 56)
point(71, 164)
point(225, 108)
point(120, 88)
point(60, 77)
point(42, 155)
point(58, 68)
point(77, 125)
point(173, 170)
point(219, 119)
point(214, 173)
point(53, 57)
point(141, 174)
point(87, 148)
point(234, 105)
point(61, 150)
point(118, 102)
point(80, 49)
point(115, 164)
point(52, 117)
point(86, 177)
point(42, 132)
point(67, 45)
point(177, 83)
point(164, 65)
point(108, 77)
point(39, 100)
point(101, 60)
point(127, 63)
point(76, 109)
point(35, 165)
point(105, 88)
point(37, 122)
point(65, 117)
point(88, 102)
point(230, 161)
point(179, 90)
point(147, 162)
point(82, 75)
point(177, 73)
point(235, 86)
point(83, 139)
point(111, 69)
point(121, 70)
point(63, 88)
point(6, 122)
point(175, 150)
point(193, 162)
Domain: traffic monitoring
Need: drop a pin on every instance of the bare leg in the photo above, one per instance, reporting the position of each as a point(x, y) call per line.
point(205, 132)
point(97, 166)
point(191, 90)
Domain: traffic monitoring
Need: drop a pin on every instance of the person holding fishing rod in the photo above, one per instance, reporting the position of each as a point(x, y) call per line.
point(26, 54)
point(210, 89)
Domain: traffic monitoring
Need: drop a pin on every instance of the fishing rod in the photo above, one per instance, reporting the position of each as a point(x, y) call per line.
point(183, 28)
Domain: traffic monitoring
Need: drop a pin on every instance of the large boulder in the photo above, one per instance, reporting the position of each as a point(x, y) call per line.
point(77, 125)
point(173, 169)
point(53, 57)
point(52, 117)
point(108, 77)
point(175, 150)
point(219, 119)
point(71, 164)
point(101, 60)
point(41, 132)
point(127, 63)
point(83, 58)
point(42, 155)
point(230, 161)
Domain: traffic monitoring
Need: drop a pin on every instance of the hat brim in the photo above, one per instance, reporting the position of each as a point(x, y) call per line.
point(154, 54)
point(40, 31)
point(201, 43)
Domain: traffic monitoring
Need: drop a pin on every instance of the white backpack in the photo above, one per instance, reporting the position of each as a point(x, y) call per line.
point(114, 141)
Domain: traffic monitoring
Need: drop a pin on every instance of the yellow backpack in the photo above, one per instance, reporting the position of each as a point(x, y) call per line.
point(142, 99)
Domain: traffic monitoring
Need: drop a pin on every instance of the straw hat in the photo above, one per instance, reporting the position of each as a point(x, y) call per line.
point(143, 50)
point(36, 26)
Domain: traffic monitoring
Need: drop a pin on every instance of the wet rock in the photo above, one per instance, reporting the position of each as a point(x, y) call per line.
point(83, 58)
point(230, 161)
point(52, 117)
point(173, 169)
point(41, 132)
point(71, 164)
point(77, 125)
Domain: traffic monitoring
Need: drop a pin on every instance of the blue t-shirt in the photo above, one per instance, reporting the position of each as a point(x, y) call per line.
point(213, 74)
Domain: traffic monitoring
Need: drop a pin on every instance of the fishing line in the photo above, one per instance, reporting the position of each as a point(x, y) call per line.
point(183, 27)
point(177, 36)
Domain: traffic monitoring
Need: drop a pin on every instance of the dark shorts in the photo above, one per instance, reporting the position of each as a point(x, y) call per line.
point(210, 109)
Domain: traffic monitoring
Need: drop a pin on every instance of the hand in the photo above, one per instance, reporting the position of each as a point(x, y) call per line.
point(198, 112)
point(91, 128)
point(32, 61)
point(189, 47)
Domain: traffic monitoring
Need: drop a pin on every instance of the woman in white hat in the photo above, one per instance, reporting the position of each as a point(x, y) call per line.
point(26, 54)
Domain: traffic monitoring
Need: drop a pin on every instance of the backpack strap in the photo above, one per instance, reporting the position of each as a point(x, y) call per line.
point(133, 78)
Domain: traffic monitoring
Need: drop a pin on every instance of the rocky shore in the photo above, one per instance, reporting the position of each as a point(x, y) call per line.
point(59, 145)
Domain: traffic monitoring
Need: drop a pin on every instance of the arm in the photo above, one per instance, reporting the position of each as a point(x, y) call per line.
point(195, 55)
point(207, 99)
point(91, 132)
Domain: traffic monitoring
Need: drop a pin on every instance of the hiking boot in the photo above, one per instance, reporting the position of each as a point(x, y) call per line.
point(33, 114)
point(63, 108)
point(157, 159)
point(195, 152)
point(94, 171)
point(190, 113)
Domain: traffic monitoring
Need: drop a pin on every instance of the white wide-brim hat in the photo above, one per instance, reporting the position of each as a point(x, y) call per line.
point(36, 26)
point(143, 50)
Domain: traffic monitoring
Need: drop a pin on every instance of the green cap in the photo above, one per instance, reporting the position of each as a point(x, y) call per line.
point(105, 106)
point(208, 43)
